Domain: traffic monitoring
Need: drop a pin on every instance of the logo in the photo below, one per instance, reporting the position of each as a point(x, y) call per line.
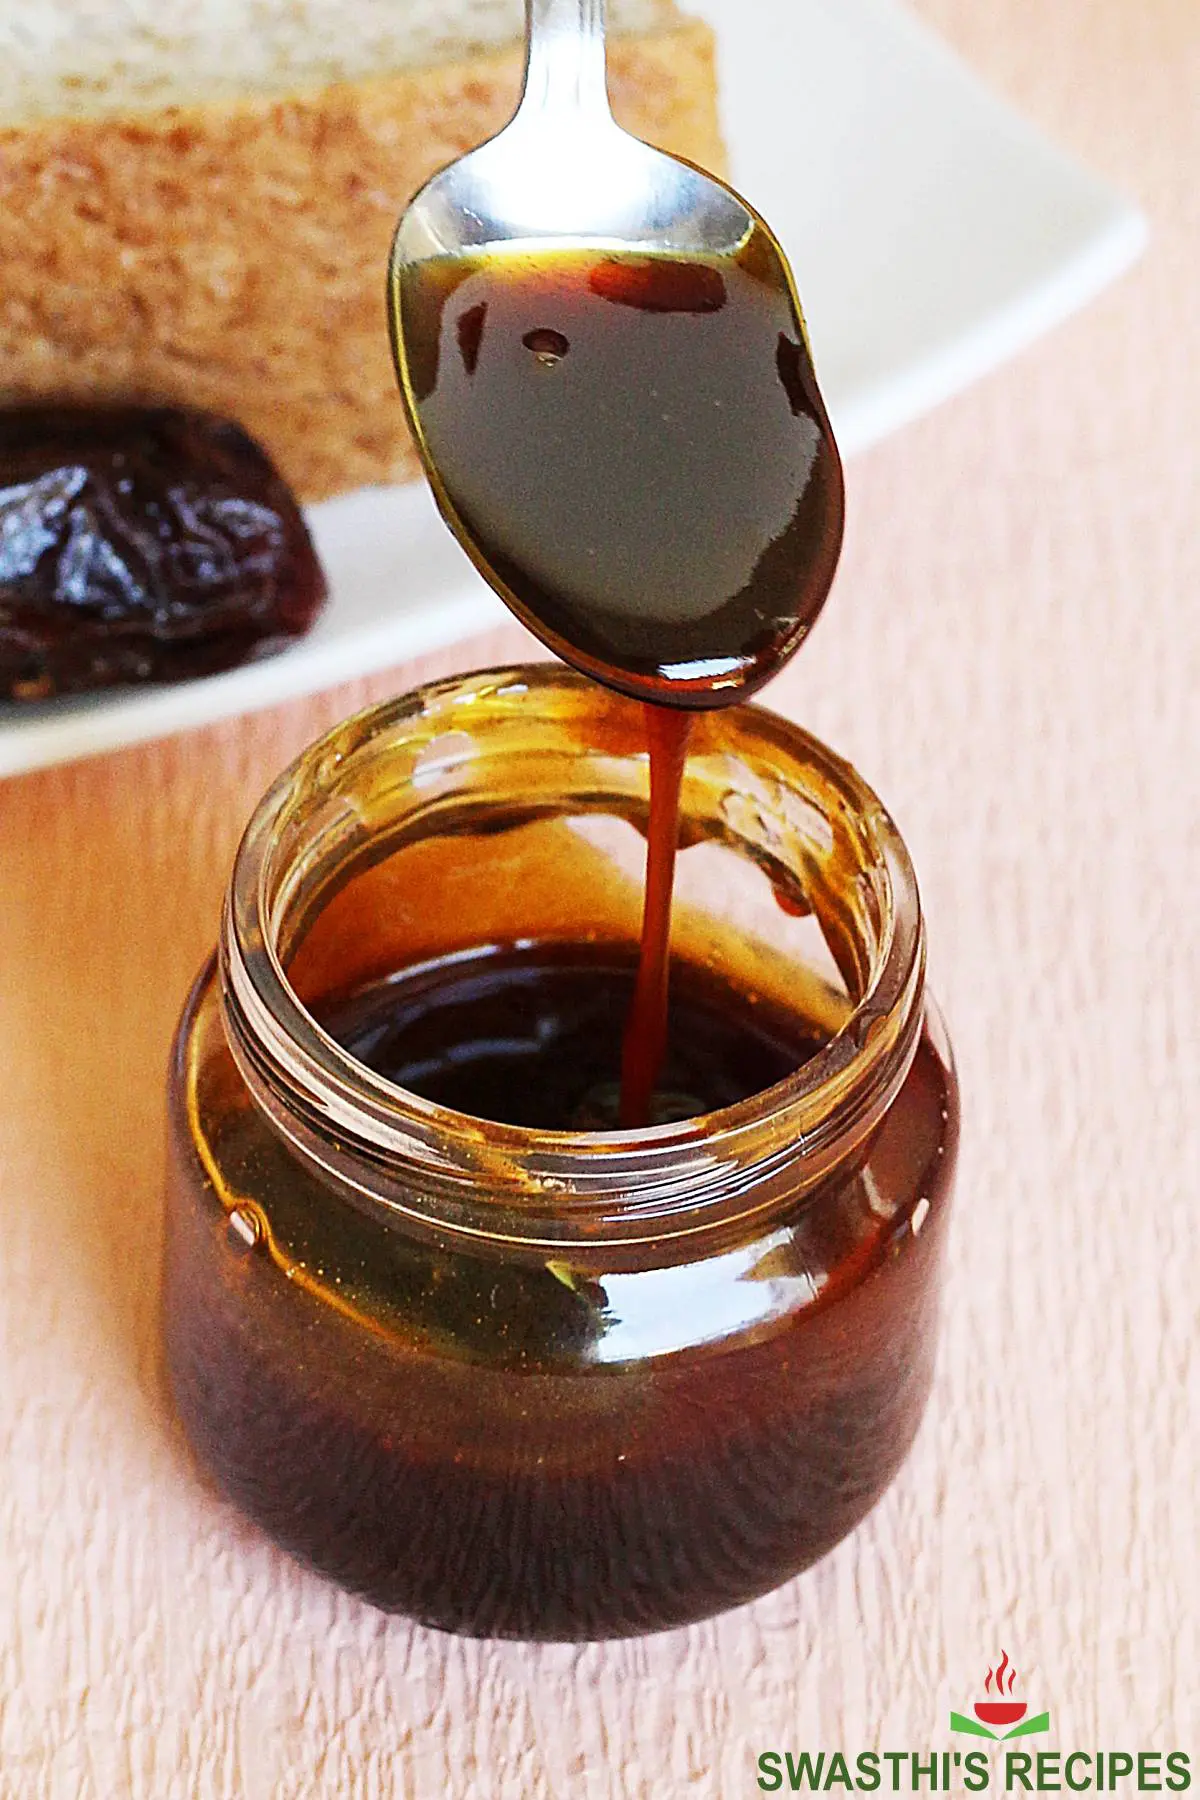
point(1012, 1770)
point(1000, 1709)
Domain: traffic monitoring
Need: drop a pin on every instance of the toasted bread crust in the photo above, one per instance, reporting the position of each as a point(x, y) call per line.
point(232, 256)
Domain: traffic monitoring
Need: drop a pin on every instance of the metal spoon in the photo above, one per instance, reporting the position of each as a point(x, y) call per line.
point(563, 175)
point(563, 167)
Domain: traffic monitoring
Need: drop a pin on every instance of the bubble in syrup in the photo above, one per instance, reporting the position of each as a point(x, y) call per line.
point(548, 345)
point(244, 1229)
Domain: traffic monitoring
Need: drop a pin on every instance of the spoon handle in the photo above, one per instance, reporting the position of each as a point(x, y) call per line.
point(564, 58)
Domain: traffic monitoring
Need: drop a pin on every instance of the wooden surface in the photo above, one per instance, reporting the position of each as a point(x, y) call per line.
point(1013, 659)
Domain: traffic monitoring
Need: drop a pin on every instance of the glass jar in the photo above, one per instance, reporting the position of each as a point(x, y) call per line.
point(556, 1384)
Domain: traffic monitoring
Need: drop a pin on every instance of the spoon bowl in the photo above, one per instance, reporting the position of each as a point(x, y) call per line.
point(604, 362)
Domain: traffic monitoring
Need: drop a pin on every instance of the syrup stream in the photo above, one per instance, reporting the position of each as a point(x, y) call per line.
point(667, 734)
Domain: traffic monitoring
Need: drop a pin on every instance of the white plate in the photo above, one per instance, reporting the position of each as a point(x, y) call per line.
point(933, 233)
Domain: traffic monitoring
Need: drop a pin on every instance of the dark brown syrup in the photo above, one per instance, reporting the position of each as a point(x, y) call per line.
point(532, 1036)
point(635, 450)
point(513, 1447)
point(667, 733)
point(637, 453)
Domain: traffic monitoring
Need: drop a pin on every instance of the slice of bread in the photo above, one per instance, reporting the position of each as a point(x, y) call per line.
point(196, 215)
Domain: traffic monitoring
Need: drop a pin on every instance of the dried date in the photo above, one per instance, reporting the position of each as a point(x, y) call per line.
point(142, 544)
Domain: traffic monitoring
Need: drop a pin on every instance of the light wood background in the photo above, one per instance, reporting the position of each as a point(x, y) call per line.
point(1013, 659)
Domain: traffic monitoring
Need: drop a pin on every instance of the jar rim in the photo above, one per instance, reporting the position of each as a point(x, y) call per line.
point(481, 1179)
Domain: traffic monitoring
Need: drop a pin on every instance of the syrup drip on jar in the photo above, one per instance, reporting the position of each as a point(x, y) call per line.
point(635, 452)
